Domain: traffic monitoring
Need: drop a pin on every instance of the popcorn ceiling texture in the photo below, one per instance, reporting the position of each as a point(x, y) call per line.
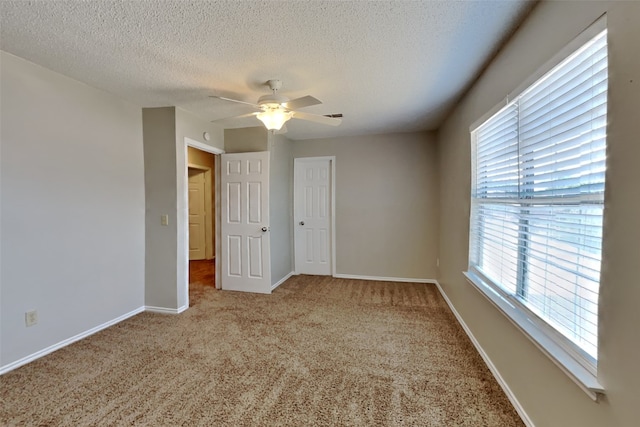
point(386, 65)
point(319, 351)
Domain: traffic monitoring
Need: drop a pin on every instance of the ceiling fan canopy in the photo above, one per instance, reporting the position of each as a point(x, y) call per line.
point(274, 99)
point(275, 109)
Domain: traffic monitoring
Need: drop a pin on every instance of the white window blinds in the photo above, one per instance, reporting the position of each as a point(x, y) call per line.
point(538, 194)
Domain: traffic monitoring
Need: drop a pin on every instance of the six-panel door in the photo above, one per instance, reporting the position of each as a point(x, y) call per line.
point(312, 199)
point(245, 222)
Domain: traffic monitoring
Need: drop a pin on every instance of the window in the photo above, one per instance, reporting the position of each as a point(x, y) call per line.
point(537, 197)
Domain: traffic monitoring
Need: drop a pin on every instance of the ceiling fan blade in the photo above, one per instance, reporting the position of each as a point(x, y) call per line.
point(234, 100)
point(305, 101)
point(234, 117)
point(331, 121)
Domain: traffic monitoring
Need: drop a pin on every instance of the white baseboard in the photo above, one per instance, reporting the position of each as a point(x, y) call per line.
point(505, 387)
point(281, 281)
point(384, 279)
point(38, 354)
point(165, 310)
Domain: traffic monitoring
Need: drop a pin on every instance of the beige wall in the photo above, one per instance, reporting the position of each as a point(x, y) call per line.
point(193, 127)
point(72, 207)
point(159, 131)
point(281, 206)
point(246, 140)
point(386, 202)
point(547, 395)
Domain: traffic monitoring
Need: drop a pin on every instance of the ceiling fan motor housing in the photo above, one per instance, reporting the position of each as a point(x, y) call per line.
point(272, 100)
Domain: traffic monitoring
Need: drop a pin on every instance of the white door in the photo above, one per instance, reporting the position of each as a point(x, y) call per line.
point(312, 215)
point(197, 215)
point(244, 181)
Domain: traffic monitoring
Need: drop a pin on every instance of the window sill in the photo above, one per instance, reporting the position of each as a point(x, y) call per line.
point(585, 379)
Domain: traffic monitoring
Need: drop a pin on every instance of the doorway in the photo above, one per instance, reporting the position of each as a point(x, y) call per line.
point(200, 195)
point(201, 242)
point(200, 161)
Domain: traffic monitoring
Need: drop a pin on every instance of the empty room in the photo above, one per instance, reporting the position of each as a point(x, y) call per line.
point(320, 212)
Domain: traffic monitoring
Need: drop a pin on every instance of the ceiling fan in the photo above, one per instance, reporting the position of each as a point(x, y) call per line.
point(275, 109)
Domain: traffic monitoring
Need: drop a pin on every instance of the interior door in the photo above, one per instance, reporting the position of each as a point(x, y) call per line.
point(197, 215)
point(246, 264)
point(312, 215)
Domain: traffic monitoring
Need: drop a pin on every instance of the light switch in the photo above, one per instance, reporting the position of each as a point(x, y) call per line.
point(164, 219)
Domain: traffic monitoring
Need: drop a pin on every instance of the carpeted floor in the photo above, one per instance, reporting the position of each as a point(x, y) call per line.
point(319, 351)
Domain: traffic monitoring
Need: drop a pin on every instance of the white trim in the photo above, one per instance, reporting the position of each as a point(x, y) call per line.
point(38, 354)
point(587, 381)
point(333, 214)
point(217, 228)
point(165, 310)
point(496, 374)
point(281, 281)
point(332, 161)
point(384, 279)
point(202, 146)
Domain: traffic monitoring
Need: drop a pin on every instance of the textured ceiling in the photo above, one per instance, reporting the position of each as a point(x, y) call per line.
point(388, 66)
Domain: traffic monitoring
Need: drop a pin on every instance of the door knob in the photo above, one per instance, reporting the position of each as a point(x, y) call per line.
point(301, 222)
point(264, 229)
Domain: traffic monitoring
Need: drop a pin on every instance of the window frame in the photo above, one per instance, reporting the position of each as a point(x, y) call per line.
point(572, 360)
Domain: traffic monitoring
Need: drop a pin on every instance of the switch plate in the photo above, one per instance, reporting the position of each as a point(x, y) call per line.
point(164, 219)
point(31, 318)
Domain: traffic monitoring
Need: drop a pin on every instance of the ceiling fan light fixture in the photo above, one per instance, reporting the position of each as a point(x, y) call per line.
point(274, 119)
point(274, 110)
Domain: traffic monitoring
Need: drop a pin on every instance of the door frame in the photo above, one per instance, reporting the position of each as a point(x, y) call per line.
point(332, 211)
point(182, 221)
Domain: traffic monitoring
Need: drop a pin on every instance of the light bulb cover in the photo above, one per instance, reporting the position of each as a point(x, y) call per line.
point(274, 119)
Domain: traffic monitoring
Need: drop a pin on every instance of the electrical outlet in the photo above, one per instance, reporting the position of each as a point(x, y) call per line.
point(31, 318)
point(164, 219)
point(437, 262)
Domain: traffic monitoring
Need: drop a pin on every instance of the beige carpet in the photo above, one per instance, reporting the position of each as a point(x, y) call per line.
point(317, 352)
